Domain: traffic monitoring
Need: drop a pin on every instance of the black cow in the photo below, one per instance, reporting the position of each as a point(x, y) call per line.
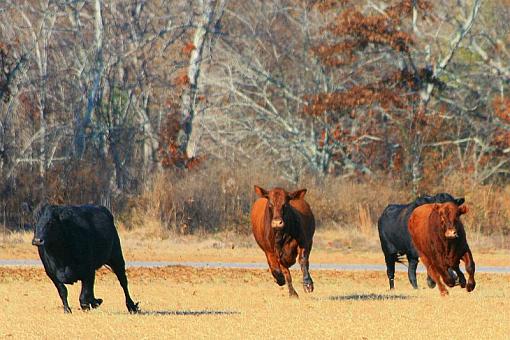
point(74, 241)
point(396, 240)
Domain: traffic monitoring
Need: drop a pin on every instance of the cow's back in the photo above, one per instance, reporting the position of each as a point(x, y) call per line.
point(392, 228)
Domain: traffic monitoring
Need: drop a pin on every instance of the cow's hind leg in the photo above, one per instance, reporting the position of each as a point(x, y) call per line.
point(461, 279)
point(304, 262)
point(288, 278)
point(411, 270)
point(87, 298)
point(119, 268)
point(390, 268)
point(430, 282)
point(274, 266)
point(62, 292)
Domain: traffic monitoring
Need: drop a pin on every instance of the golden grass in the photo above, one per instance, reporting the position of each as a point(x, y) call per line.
point(31, 307)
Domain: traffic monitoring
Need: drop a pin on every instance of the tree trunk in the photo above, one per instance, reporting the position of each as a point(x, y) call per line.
point(81, 123)
point(207, 20)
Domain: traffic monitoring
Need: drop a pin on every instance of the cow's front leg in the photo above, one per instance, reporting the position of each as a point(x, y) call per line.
point(274, 267)
point(435, 276)
point(288, 278)
point(62, 292)
point(304, 255)
point(470, 269)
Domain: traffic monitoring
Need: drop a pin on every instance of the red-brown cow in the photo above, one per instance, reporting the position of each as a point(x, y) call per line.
point(440, 238)
point(283, 226)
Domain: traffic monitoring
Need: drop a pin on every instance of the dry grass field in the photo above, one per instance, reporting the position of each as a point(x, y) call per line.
point(188, 303)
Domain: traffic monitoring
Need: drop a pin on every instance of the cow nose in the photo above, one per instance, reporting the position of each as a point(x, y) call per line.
point(277, 223)
point(451, 234)
point(37, 242)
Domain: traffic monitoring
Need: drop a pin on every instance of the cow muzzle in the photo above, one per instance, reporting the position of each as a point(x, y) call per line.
point(37, 242)
point(451, 234)
point(277, 223)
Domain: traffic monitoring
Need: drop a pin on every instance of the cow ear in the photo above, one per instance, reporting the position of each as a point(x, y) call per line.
point(459, 201)
point(297, 195)
point(463, 209)
point(261, 192)
point(65, 214)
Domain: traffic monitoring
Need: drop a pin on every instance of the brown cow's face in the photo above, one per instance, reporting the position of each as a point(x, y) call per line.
point(278, 201)
point(448, 215)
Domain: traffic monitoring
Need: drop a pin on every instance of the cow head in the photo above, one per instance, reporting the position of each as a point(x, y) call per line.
point(278, 203)
point(48, 227)
point(449, 218)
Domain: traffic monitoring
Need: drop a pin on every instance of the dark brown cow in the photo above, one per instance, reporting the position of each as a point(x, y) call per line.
point(283, 226)
point(440, 238)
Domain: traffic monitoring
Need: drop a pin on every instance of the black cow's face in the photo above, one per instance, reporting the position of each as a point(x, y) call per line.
point(47, 228)
point(278, 202)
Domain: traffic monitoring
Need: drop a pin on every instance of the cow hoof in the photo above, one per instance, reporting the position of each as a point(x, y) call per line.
point(308, 287)
point(392, 284)
point(67, 310)
point(84, 307)
point(430, 282)
point(450, 283)
point(293, 295)
point(279, 278)
point(470, 286)
point(444, 293)
point(133, 308)
point(96, 303)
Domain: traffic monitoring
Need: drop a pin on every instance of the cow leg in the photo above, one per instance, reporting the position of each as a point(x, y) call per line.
point(87, 298)
point(274, 266)
point(432, 272)
point(448, 276)
point(411, 270)
point(288, 278)
point(304, 255)
point(62, 292)
point(470, 269)
point(430, 282)
point(460, 276)
point(390, 269)
point(119, 268)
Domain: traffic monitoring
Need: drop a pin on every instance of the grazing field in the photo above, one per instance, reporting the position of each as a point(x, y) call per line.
point(182, 302)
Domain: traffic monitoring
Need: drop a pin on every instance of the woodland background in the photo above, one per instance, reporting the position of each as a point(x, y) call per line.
point(170, 111)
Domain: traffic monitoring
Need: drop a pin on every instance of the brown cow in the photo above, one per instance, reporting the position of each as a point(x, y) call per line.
point(440, 238)
point(283, 226)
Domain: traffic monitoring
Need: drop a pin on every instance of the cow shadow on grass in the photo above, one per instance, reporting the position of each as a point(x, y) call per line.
point(368, 297)
point(188, 312)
